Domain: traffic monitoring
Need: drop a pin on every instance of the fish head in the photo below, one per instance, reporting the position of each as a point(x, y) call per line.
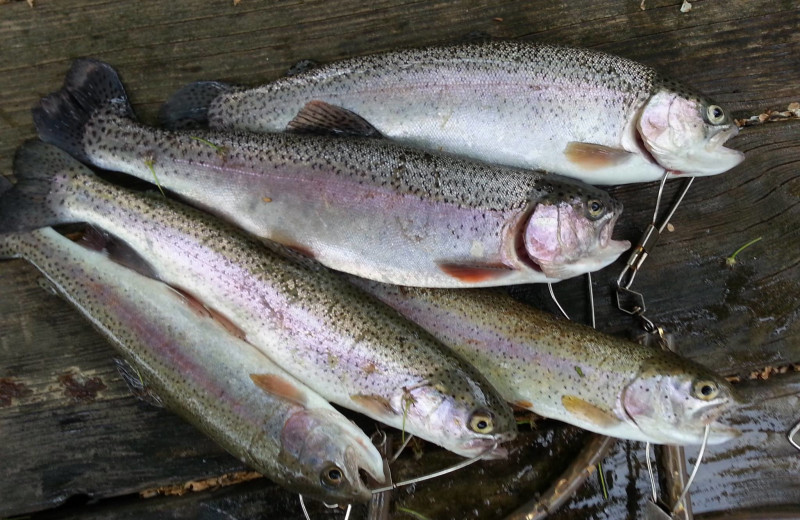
point(685, 134)
point(568, 232)
point(673, 400)
point(466, 418)
point(325, 455)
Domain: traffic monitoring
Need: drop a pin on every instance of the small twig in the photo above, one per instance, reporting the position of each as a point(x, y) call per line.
point(731, 260)
point(413, 513)
point(149, 163)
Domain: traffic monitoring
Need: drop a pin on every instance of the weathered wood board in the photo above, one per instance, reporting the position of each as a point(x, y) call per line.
point(71, 434)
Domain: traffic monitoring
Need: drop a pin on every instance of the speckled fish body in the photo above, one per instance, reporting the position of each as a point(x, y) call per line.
point(220, 384)
point(363, 206)
point(577, 112)
point(567, 371)
point(347, 346)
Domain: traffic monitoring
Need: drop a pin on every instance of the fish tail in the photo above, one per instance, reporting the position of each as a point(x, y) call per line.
point(36, 200)
point(90, 87)
point(188, 107)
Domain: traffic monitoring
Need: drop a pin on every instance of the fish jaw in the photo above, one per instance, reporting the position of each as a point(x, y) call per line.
point(676, 133)
point(325, 451)
point(666, 407)
point(563, 242)
point(451, 421)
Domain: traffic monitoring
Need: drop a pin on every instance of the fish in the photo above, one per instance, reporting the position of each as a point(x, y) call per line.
point(345, 345)
point(577, 112)
point(570, 372)
point(363, 206)
point(220, 384)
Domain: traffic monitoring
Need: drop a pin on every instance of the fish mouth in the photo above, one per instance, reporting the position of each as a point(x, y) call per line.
point(711, 157)
point(361, 475)
point(487, 448)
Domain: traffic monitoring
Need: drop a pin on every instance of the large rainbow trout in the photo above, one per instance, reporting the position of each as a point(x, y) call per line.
point(570, 372)
point(577, 112)
point(223, 386)
point(364, 206)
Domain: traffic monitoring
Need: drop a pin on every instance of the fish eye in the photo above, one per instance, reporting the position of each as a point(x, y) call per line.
point(596, 208)
point(332, 476)
point(481, 422)
point(706, 390)
point(715, 114)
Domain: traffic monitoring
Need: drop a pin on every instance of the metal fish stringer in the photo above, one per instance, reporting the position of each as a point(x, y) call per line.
point(640, 253)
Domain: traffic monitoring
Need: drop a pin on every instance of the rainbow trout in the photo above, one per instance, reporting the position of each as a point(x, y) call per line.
point(223, 386)
point(363, 206)
point(567, 371)
point(589, 115)
point(347, 346)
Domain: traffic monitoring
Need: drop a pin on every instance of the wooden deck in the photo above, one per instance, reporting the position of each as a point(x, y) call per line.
point(75, 444)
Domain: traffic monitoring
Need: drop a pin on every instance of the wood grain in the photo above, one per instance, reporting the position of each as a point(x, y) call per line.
point(68, 428)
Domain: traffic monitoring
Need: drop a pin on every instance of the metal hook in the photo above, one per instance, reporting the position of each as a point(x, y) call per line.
point(553, 296)
point(303, 507)
point(650, 472)
point(455, 467)
point(791, 434)
point(694, 470)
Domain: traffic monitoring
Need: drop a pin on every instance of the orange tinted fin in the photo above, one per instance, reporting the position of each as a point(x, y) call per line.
point(319, 117)
point(279, 386)
point(207, 312)
point(525, 405)
point(588, 412)
point(474, 273)
point(376, 404)
point(594, 156)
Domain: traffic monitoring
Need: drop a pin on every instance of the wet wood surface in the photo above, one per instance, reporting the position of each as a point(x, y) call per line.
point(74, 443)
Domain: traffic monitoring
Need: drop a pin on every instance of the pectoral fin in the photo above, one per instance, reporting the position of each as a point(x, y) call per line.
point(319, 117)
point(588, 412)
point(475, 273)
point(276, 385)
point(376, 404)
point(595, 156)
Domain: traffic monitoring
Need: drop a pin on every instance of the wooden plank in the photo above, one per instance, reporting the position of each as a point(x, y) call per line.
point(68, 427)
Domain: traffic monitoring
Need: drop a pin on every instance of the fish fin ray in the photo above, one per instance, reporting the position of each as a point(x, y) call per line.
point(118, 251)
point(203, 310)
point(319, 117)
point(136, 385)
point(280, 386)
point(588, 412)
point(474, 273)
point(595, 156)
point(188, 107)
point(90, 86)
point(33, 202)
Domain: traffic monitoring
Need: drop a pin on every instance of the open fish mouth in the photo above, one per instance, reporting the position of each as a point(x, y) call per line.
point(716, 141)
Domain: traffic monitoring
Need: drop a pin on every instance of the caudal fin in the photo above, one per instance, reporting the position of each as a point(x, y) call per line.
point(90, 87)
point(188, 107)
point(36, 200)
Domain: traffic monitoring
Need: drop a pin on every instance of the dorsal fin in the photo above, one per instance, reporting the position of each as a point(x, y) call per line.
point(319, 117)
point(117, 250)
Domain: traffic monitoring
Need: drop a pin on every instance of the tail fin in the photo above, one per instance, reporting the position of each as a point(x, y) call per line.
point(188, 107)
point(90, 86)
point(34, 202)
